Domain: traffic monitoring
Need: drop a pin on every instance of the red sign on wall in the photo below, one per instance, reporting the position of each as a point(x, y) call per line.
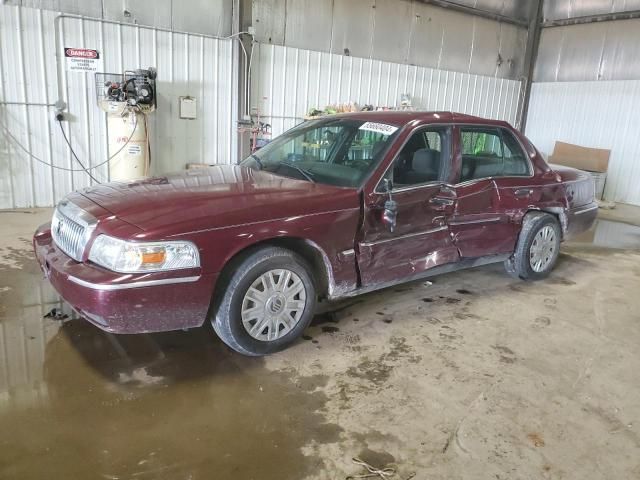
point(82, 59)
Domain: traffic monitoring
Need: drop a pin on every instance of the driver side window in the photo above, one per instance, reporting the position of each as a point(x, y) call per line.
point(423, 159)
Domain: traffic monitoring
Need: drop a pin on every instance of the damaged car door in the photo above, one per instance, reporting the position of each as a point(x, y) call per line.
point(479, 224)
point(404, 228)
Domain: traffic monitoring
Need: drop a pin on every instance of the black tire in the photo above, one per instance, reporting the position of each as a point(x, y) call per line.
point(227, 317)
point(519, 264)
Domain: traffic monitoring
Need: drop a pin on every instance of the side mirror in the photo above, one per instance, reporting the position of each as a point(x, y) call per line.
point(390, 214)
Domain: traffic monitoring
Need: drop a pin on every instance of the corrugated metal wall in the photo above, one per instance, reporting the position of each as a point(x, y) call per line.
point(400, 31)
point(289, 81)
point(594, 51)
point(212, 17)
point(604, 114)
point(561, 9)
point(587, 88)
point(508, 8)
point(187, 65)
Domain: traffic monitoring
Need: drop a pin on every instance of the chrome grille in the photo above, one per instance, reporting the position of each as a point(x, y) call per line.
point(71, 228)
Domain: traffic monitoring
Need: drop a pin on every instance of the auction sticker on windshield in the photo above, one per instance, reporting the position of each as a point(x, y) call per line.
point(382, 128)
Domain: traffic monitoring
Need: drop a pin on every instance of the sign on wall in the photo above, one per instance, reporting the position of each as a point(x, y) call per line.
point(81, 59)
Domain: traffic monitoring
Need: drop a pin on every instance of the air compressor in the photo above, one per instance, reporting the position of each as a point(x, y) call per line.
point(128, 99)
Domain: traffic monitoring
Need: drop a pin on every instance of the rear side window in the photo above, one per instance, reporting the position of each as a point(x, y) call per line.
point(490, 152)
point(515, 160)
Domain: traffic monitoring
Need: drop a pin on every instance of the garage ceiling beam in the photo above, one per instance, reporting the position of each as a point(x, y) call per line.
point(607, 17)
point(458, 7)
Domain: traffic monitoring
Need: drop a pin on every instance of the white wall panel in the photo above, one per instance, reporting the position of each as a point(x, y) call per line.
point(593, 51)
point(211, 17)
point(410, 32)
point(600, 114)
point(561, 9)
point(194, 65)
point(287, 82)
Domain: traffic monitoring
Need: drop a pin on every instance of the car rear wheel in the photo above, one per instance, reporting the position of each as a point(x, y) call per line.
point(537, 249)
point(269, 301)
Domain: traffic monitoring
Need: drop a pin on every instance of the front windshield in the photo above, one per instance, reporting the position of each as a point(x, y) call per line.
point(334, 151)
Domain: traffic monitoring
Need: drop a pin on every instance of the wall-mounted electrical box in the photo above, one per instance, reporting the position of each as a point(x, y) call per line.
point(188, 108)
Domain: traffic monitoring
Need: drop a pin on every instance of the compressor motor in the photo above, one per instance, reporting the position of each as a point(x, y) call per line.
point(136, 88)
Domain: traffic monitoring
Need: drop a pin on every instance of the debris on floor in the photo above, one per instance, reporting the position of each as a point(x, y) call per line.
point(373, 472)
point(383, 473)
point(606, 204)
point(56, 314)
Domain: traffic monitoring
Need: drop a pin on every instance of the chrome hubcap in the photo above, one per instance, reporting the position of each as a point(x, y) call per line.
point(543, 249)
point(273, 304)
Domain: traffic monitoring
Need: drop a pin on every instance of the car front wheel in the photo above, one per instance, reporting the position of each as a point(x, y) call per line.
point(537, 249)
point(269, 301)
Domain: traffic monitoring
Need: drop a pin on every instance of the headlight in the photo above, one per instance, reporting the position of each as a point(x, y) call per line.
point(133, 257)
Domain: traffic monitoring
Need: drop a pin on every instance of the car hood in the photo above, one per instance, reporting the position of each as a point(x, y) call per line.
point(216, 197)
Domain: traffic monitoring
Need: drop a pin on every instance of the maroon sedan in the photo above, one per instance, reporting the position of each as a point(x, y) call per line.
point(332, 208)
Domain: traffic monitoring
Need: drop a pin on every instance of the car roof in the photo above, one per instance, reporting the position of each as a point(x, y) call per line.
point(402, 117)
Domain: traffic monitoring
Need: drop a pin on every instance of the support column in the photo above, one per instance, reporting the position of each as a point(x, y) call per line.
point(531, 53)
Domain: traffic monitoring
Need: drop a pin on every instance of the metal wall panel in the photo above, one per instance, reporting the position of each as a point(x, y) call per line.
point(202, 16)
point(509, 8)
point(308, 23)
point(146, 12)
point(563, 9)
point(513, 42)
point(90, 8)
point(392, 30)
point(595, 51)
point(457, 41)
point(353, 27)
point(549, 52)
point(210, 17)
point(268, 18)
point(427, 39)
point(187, 65)
point(400, 31)
point(288, 81)
point(603, 114)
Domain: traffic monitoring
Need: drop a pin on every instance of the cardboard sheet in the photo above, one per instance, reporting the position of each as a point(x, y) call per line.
point(583, 158)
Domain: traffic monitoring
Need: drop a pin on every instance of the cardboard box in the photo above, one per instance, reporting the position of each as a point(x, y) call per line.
point(583, 158)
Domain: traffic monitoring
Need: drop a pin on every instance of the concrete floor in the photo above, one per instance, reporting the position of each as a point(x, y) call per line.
point(474, 376)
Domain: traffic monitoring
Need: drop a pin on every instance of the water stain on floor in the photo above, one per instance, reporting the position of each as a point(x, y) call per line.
point(167, 405)
point(609, 234)
point(375, 458)
point(177, 405)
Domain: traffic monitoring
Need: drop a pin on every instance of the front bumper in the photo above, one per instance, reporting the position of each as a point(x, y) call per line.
point(125, 303)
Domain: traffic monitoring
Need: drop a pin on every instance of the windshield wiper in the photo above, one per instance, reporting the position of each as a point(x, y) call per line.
point(305, 173)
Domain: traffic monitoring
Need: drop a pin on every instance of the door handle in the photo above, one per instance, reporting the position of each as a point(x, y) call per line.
point(440, 201)
point(523, 192)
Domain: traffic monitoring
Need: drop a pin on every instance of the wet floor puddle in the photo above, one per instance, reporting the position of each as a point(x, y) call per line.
point(76, 402)
point(609, 234)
